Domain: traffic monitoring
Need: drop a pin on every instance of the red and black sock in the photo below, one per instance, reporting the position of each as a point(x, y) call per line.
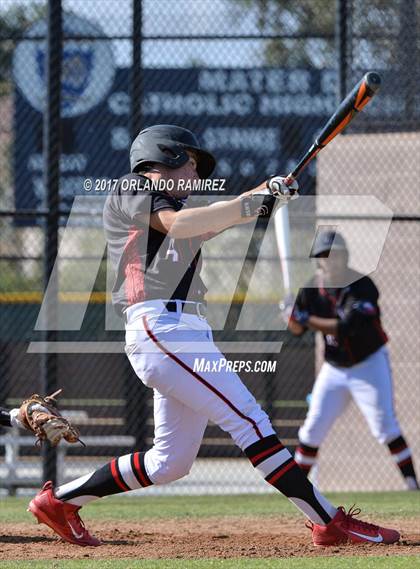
point(279, 469)
point(122, 474)
point(401, 455)
point(305, 456)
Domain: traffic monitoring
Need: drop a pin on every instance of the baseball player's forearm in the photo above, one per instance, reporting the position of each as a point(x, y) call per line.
point(5, 417)
point(295, 328)
point(10, 417)
point(324, 325)
point(194, 222)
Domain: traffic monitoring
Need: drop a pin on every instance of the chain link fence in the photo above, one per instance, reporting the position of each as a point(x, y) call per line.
point(255, 79)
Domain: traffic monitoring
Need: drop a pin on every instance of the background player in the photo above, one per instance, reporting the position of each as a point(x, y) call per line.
point(356, 357)
point(154, 240)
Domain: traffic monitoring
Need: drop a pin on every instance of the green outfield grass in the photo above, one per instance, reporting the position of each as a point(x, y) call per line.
point(136, 508)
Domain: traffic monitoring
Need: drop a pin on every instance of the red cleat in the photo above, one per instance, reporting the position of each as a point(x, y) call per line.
point(60, 517)
point(345, 528)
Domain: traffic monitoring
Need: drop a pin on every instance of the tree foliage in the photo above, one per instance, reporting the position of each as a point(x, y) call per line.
point(13, 22)
point(378, 31)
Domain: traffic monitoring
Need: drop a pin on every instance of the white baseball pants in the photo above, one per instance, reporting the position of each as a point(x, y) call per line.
point(162, 347)
point(369, 383)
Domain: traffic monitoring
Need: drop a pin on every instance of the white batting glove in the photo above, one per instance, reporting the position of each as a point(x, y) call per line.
point(262, 200)
point(15, 413)
point(14, 418)
point(282, 190)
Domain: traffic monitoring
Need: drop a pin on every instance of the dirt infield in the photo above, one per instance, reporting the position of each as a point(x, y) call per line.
point(227, 537)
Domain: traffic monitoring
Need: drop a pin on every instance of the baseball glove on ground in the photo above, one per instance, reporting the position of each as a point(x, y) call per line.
point(41, 416)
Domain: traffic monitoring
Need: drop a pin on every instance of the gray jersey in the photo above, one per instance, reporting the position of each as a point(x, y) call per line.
point(148, 264)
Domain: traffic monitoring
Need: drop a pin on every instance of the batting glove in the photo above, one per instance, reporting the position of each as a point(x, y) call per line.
point(262, 201)
point(281, 189)
point(14, 418)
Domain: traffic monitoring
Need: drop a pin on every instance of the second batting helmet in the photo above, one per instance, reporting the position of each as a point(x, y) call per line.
point(327, 240)
point(167, 144)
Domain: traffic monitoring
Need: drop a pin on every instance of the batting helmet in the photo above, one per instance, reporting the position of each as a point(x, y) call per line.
point(326, 241)
point(167, 144)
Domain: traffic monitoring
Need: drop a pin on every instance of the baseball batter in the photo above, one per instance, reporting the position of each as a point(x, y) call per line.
point(356, 356)
point(154, 240)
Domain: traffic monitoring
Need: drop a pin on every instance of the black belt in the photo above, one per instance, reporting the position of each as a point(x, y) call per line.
point(197, 308)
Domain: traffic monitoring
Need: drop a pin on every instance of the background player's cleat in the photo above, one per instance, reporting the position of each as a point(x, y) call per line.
point(63, 518)
point(345, 528)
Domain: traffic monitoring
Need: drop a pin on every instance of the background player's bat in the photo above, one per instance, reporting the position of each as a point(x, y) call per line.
point(282, 231)
point(358, 97)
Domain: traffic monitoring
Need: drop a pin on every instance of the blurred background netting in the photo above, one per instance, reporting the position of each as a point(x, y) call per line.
point(255, 79)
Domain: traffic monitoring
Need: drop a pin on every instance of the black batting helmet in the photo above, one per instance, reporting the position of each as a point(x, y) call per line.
point(326, 241)
point(167, 144)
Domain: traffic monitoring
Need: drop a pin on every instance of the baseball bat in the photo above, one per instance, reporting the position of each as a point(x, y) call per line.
point(355, 101)
point(358, 98)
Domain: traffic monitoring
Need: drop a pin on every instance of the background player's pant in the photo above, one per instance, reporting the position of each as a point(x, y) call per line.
point(369, 383)
point(164, 350)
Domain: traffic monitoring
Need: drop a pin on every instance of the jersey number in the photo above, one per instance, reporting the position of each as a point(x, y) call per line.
point(172, 252)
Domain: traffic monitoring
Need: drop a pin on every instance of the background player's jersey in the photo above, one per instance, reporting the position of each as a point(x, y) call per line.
point(149, 264)
point(360, 329)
